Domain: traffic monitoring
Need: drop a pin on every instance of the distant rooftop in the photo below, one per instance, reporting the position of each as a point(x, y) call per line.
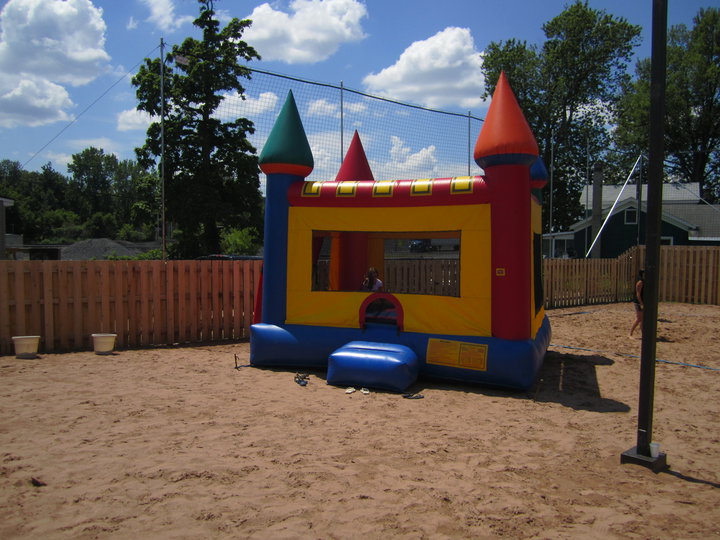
point(671, 193)
point(705, 217)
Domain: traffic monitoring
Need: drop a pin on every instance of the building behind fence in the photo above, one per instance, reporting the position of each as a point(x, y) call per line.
point(151, 303)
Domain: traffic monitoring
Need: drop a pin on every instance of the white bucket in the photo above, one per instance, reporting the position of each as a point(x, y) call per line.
point(26, 346)
point(654, 449)
point(104, 343)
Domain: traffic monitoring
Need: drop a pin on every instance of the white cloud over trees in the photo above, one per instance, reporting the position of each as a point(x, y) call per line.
point(443, 70)
point(233, 106)
point(162, 15)
point(133, 119)
point(313, 30)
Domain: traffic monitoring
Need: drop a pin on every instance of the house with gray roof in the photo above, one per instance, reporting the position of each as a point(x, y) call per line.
point(687, 220)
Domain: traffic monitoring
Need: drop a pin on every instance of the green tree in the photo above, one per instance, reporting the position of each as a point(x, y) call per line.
point(692, 126)
point(568, 89)
point(90, 186)
point(111, 195)
point(61, 227)
point(211, 171)
point(12, 180)
point(240, 241)
point(36, 194)
point(136, 201)
point(102, 194)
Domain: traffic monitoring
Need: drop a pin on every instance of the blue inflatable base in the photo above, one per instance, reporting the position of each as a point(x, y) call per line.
point(510, 364)
point(386, 366)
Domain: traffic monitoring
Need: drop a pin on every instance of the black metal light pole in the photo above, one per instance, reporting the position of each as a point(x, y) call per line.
point(641, 454)
point(162, 147)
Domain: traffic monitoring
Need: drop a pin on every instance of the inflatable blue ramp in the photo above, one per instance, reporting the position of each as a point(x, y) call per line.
point(386, 366)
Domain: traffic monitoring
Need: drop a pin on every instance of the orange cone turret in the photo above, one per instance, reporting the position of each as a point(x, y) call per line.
point(505, 149)
point(506, 137)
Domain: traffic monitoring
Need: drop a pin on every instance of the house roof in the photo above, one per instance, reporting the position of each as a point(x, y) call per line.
point(672, 192)
point(704, 216)
point(632, 203)
point(700, 220)
point(99, 248)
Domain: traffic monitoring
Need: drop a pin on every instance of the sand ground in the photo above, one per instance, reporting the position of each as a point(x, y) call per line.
point(177, 443)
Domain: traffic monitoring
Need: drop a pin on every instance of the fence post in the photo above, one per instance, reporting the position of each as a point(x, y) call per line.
point(48, 303)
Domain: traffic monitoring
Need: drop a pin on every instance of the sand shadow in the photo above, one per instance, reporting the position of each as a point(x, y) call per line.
point(691, 479)
point(567, 379)
point(571, 380)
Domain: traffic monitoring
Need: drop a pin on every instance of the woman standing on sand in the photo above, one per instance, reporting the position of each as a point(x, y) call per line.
point(638, 301)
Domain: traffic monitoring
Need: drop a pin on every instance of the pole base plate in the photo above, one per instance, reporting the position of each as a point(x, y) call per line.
point(655, 464)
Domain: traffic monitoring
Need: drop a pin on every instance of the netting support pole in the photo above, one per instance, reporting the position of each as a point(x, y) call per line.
point(162, 148)
point(470, 148)
point(642, 454)
point(342, 122)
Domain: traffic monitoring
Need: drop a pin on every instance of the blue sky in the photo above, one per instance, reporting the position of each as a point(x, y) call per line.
point(57, 57)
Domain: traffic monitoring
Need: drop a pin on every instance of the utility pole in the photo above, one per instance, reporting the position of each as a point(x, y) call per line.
point(162, 146)
point(552, 174)
point(638, 196)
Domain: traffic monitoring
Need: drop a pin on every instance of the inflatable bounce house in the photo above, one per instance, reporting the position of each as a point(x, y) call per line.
point(490, 329)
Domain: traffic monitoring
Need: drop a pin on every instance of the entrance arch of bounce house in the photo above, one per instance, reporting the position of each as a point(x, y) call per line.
point(388, 314)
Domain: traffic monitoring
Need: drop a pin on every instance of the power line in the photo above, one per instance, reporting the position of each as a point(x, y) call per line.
point(364, 94)
point(86, 109)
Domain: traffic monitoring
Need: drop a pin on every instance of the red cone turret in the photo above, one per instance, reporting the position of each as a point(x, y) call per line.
point(355, 166)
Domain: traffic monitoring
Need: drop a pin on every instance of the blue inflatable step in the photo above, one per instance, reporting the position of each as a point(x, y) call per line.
point(386, 366)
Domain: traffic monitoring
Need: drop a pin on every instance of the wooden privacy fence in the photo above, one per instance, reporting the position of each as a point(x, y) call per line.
point(162, 303)
point(144, 302)
point(426, 276)
point(406, 276)
point(578, 282)
point(689, 274)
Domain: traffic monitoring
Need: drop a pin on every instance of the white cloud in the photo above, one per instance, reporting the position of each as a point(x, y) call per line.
point(312, 32)
point(30, 101)
point(131, 24)
point(404, 163)
point(233, 106)
point(443, 70)
point(325, 148)
point(59, 160)
point(45, 44)
point(109, 146)
point(355, 108)
point(322, 107)
point(134, 119)
point(60, 40)
point(223, 16)
point(162, 15)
